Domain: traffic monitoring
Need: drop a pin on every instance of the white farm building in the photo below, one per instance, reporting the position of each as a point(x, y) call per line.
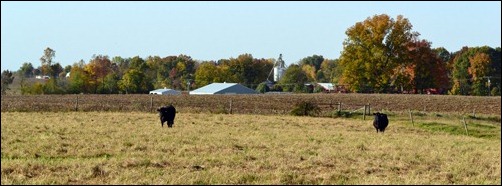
point(165, 91)
point(223, 88)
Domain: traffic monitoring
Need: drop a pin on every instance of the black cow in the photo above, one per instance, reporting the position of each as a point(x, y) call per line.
point(167, 113)
point(380, 122)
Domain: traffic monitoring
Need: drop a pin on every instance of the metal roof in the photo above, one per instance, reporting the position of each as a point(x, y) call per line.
point(224, 88)
point(165, 91)
point(327, 86)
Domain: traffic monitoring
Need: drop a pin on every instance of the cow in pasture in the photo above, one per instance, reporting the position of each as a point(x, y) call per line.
point(167, 113)
point(380, 122)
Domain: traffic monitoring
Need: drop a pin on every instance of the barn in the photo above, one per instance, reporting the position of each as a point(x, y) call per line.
point(223, 88)
point(165, 91)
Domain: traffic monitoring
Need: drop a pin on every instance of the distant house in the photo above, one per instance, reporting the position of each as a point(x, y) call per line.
point(327, 87)
point(223, 88)
point(43, 77)
point(165, 91)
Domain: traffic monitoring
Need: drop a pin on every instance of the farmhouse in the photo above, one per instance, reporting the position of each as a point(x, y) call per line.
point(223, 88)
point(165, 91)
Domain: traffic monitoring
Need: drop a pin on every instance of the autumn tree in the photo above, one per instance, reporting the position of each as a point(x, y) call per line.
point(372, 50)
point(310, 71)
point(98, 68)
point(46, 61)
point(479, 69)
point(470, 80)
point(426, 70)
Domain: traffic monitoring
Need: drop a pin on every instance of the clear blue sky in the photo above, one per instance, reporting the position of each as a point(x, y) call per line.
point(221, 30)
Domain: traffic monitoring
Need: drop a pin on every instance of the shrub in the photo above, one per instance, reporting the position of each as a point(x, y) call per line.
point(306, 108)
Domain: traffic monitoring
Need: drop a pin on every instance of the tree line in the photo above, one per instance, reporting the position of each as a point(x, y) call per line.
point(380, 55)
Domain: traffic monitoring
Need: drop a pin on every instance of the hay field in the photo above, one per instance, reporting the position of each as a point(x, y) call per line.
point(205, 148)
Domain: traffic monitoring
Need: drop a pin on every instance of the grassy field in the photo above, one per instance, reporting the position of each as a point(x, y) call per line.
point(205, 148)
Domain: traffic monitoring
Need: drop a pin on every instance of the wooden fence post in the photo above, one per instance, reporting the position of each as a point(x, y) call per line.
point(76, 105)
point(230, 106)
point(151, 103)
point(364, 113)
point(465, 126)
point(369, 109)
point(411, 118)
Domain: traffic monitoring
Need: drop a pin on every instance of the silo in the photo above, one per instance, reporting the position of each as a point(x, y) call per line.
point(279, 69)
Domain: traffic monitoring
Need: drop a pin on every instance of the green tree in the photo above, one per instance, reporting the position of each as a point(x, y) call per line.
point(26, 70)
point(122, 64)
point(134, 81)
point(138, 63)
point(207, 73)
point(56, 69)
point(330, 71)
point(460, 75)
point(293, 79)
point(262, 88)
point(110, 83)
point(314, 61)
point(7, 79)
point(78, 80)
point(373, 50)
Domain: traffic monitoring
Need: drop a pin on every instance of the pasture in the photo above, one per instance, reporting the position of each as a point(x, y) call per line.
point(207, 148)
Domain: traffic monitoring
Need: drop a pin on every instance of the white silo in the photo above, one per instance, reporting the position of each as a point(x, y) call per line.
point(279, 69)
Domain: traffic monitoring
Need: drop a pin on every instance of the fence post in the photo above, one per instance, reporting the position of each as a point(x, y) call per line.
point(339, 107)
point(369, 108)
point(76, 105)
point(411, 118)
point(465, 126)
point(230, 106)
point(151, 103)
point(364, 113)
point(474, 113)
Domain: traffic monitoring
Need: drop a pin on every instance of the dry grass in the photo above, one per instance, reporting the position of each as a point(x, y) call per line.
point(133, 148)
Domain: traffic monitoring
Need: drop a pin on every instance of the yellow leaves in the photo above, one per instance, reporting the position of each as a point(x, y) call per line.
point(309, 71)
point(479, 65)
